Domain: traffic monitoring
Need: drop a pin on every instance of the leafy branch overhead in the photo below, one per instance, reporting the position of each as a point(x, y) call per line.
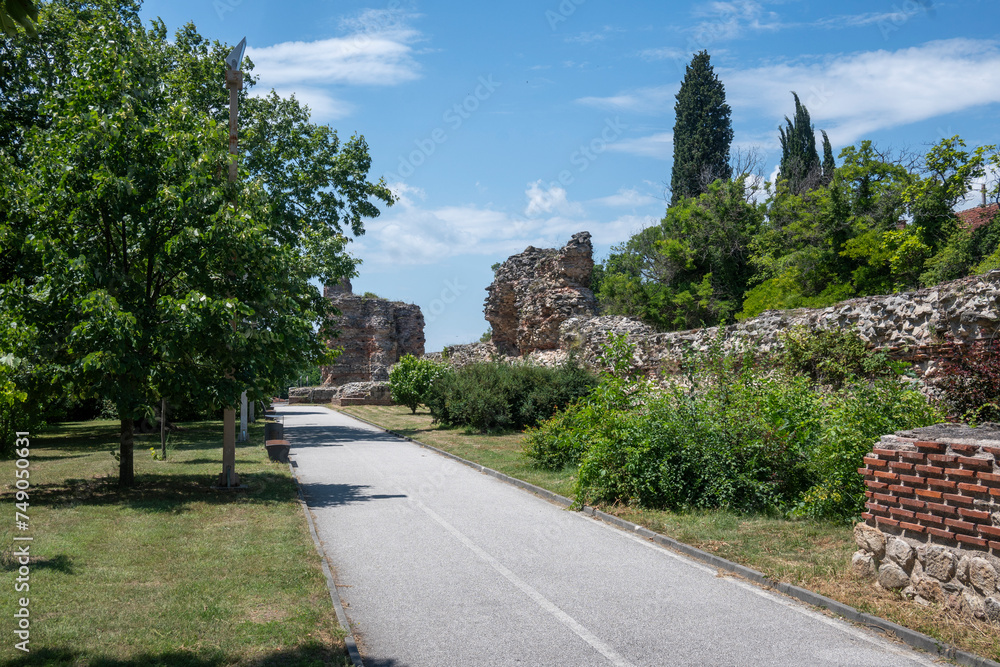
point(14, 13)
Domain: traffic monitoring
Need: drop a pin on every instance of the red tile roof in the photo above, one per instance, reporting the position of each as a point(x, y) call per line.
point(974, 218)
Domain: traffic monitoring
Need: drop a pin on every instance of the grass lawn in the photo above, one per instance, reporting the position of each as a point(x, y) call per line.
point(810, 554)
point(171, 572)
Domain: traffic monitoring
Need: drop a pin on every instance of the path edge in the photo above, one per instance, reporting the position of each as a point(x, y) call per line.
point(913, 638)
point(331, 584)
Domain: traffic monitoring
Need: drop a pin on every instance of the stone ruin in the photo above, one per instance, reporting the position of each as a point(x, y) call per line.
point(534, 292)
point(541, 309)
point(931, 528)
point(374, 334)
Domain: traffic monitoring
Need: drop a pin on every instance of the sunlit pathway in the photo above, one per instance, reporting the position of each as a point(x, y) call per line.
point(438, 564)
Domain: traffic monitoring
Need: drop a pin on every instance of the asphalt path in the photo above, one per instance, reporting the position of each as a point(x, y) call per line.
point(438, 564)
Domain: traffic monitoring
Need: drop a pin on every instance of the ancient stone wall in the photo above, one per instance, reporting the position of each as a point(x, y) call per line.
point(374, 334)
point(536, 291)
point(932, 525)
point(541, 308)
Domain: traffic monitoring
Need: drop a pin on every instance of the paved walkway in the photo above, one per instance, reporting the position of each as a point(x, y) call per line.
point(440, 565)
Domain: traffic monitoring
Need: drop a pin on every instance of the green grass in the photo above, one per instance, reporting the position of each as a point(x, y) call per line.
point(171, 572)
point(811, 554)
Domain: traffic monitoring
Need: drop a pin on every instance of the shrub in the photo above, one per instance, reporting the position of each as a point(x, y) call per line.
point(831, 356)
point(741, 445)
point(854, 418)
point(410, 379)
point(735, 434)
point(970, 382)
point(495, 396)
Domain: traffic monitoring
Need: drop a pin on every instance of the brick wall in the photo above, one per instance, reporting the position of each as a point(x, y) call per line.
point(934, 491)
point(932, 522)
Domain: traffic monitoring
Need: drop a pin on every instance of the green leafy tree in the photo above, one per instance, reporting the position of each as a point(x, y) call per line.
point(142, 272)
point(829, 163)
point(14, 13)
point(693, 268)
point(410, 378)
point(800, 167)
point(702, 131)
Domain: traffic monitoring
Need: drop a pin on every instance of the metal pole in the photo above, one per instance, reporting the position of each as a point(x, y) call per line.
point(234, 82)
point(243, 417)
point(163, 429)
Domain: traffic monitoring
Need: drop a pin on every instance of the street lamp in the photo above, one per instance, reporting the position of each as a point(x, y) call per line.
point(234, 82)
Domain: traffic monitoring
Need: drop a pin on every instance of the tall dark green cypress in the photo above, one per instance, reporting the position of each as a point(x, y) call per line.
point(829, 164)
point(702, 131)
point(800, 167)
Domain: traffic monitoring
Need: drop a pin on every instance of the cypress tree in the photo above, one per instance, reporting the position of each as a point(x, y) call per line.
point(800, 166)
point(702, 131)
point(829, 164)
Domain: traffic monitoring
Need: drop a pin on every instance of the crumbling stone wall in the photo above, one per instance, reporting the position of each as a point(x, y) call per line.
point(932, 525)
point(374, 334)
point(534, 292)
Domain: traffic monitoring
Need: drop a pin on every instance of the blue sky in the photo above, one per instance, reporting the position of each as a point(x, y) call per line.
point(503, 125)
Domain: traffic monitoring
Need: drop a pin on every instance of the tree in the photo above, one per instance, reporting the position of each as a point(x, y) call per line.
point(410, 379)
point(145, 273)
point(800, 166)
point(693, 268)
point(829, 164)
point(702, 131)
point(14, 13)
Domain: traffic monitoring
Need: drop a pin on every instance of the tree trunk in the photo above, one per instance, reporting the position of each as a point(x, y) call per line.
point(126, 471)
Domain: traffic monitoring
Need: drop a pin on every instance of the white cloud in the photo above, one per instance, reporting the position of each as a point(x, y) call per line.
point(376, 51)
point(626, 198)
point(320, 102)
point(849, 95)
point(663, 53)
point(659, 145)
point(543, 200)
point(855, 94)
point(410, 233)
point(653, 100)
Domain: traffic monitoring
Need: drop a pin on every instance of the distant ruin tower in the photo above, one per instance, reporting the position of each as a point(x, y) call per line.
point(374, 334)
point(343, 287)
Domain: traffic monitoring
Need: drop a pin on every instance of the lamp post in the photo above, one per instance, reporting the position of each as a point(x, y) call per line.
point(234, 82)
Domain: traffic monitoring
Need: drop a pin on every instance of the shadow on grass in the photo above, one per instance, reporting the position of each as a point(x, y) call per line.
point(166, 492)
point(61, 563)
point(335, 495)
point(306, 656)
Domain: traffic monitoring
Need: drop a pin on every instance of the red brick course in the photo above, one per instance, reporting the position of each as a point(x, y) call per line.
point(931, 489)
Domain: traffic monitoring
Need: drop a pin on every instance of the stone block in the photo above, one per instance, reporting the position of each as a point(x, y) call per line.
point(870, 539)
point(892, 576)
point(982, 576)
point(939, 562)
point(900, 552)
point(864, 564)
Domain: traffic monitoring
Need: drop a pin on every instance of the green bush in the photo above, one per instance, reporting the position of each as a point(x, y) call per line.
point(741, 445)
point(735, 433)
point(495, 396)
point(854, 418)
point(410, 379)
